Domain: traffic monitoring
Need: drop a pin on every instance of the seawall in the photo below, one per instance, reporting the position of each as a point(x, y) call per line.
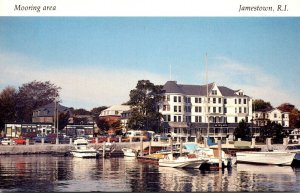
point(57, 148)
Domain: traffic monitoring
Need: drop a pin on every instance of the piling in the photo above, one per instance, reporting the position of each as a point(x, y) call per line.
point(253, 142)
point(220, 153)
point(141, 147)
point(103, 149)
point(150, 146)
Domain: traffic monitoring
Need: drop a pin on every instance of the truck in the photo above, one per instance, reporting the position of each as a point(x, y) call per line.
point(137, 134)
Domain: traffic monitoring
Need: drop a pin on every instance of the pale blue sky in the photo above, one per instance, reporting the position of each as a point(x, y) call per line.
point(98, 60)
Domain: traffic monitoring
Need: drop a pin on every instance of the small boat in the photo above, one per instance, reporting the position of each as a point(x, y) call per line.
point(82, 150)
point(270, 157)
point(209, 154)
point(183, 161)
point(129, 152)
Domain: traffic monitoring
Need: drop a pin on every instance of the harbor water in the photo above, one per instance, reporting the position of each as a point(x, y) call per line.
point(46, 173)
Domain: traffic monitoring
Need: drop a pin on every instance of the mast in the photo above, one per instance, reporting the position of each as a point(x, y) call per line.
point(206, 78)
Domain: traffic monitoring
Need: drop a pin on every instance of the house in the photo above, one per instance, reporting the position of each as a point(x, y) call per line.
point(114, 113)
point(196, 111)
point(46, 113)
point(274, 115)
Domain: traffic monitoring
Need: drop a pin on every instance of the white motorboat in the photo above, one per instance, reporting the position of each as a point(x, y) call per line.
point(82, 150)
point(271, 157)
point(129, 152)
point(184, 161)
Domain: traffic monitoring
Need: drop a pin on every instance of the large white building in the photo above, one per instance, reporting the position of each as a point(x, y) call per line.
point(186, 110)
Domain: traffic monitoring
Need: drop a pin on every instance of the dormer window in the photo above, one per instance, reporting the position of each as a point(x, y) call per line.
point(214, 92)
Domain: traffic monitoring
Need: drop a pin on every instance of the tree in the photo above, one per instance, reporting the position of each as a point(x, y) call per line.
point(242, 131)
point(294, 114)
point(260, 105)
point(102, 124)
point(97, 110)
point(63, 120)
point(33, 95)
point(81, 111)
point(7, 106)
point(144, 100)
point(274, 131)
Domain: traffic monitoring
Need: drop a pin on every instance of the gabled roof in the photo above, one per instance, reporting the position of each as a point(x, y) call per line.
point(200, 90)
point(48, 110)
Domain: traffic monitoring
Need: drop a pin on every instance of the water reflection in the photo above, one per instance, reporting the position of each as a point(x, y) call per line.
point(64, 174)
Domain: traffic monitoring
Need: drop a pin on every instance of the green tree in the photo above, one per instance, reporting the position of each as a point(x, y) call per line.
point(33, 95)
point(144, 100)
point(272, 130)
point(260, 105)
point(242, 131)
point(97, 110)
point(7, 106)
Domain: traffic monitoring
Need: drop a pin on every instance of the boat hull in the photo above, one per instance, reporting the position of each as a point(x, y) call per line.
point(269, 158)
point(185, 163)
point(129, 152)
point(84, 154)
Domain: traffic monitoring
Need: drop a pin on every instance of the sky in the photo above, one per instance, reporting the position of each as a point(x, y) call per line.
point(97, 60)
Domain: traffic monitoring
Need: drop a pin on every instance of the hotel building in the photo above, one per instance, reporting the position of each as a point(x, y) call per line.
point(195, 111)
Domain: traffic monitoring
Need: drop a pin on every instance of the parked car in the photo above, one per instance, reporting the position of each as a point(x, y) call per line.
point(38, 139)
point(105, 139)
point(51, 138)
point(20, 141)
point(7, 141)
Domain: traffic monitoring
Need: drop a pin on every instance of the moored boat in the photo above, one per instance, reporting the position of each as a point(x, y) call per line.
point(82, 150)
point(271, 158)
point(183, 161)
point(129, 152)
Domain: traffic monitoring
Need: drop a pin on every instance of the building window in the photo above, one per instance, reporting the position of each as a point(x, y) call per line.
point(225, 101)
point(240, 109)
point(200, 100)
point(214, 92)
point(196, 109)
point(225, 110)
point(208, 109)
point(240, 101)
point(179, 118)
point(234, 101)
point(164, 107)
point(179, 99)
point(200, 109)
point(168, 97)
point(214, 109)
point(220, 110)
point(175, 108)
point(175, 118)
point(236, 119)
point(175, 98)
point(214, 100)
point(245, 110)
point(189, 100)
point(275, 115)
point(179, 108)
point(196, 100)
point(245, 101)
point(168, 107)
point(220, 100)
point(196, 119)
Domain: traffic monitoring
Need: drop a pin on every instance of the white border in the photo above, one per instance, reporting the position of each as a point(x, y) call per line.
point(149, 7)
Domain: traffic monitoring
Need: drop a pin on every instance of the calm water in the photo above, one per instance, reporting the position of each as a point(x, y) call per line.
point(66, 174)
